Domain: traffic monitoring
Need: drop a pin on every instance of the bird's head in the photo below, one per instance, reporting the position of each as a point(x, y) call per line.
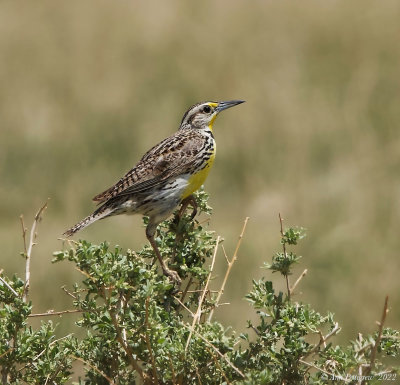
point(202, 115)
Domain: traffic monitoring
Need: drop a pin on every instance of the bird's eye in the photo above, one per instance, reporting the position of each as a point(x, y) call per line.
point(207, 109)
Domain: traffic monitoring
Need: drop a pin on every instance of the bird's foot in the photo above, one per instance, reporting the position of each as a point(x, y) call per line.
point(173, 275)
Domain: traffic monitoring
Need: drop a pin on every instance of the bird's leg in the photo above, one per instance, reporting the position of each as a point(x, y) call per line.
point(150, 231)
point(190, 200)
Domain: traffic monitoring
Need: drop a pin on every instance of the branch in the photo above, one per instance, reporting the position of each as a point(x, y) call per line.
point(217, 351)
point(331, 375)
point(153, 362)
point(9, 286)
point(228, 270)
point(125, 346)
point(323, 339)
point(284, 253)
point(198, 312)
point(50, 313)
point(28, 251)
point(44, 351)
point(111, 382)
point(378, 339)
point(218, 365)
point(302, 275)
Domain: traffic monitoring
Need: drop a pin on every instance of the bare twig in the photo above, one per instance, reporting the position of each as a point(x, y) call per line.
point(135, 365)
point(228, 270)
point(68, 292)
point(186, 290)
point(331, 375)
point(302, 275)
point(50, 313)
point(284, 253)
point(9, 286)
point(184, 306)
point(111, 382)
point(218, 365)
point(217, 351)
point(28, 251)
point(44, 351)
point(378, 339)
point(323, 339)
point(197, 315)
point(171, 366)
point(153, 362)
point(24, 230)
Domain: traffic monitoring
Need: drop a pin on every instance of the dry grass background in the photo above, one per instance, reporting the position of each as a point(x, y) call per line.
point(87, 87)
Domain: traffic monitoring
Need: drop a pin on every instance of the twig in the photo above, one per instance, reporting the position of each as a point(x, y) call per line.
point(302, 275)
point(28, 251)
point(218, 365)
point(44, 351)
point(6, 352)
point(184, 306)
point(111, 382)
point(24, 230)
point(9, 287)
point(53, 313)
point(171, 366)
point(186, 290)
point(153, 362)
point(331, 375)
point(228, 270)
point(198, 312)
point(378, 339)
point(125, 346)
point(323, 339)
point(284, 253)
point(68, 292)
point(217, 351)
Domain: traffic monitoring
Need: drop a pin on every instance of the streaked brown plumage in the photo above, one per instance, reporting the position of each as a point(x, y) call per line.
point(166, 176)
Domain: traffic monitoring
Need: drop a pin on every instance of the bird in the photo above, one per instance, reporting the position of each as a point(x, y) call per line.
point(165, 177)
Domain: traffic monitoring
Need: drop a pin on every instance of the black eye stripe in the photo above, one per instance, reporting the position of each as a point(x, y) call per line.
point(207, 109)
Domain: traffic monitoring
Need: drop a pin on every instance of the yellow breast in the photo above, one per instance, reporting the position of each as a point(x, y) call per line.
point(196, 180)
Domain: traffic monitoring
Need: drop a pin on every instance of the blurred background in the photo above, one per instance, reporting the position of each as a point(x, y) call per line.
point(87, 87)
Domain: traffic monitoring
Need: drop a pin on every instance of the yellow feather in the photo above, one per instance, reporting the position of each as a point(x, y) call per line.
point(197, 180)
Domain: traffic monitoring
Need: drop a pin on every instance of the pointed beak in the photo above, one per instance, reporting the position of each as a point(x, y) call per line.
point(228, 104)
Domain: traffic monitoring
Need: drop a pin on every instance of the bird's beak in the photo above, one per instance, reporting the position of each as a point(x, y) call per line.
point(228, 104)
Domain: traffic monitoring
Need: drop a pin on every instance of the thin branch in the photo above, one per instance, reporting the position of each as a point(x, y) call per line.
point(218, 365)
point(24, 230)
point(378, 339)
point(331, 375)
point(171, 366)
point(68, 292)
point(284, 253)
point(323, 339)
point(44, 351)
point(217, 351)
point(28, 251)
point(198, 312)
point(185, 291)
point(184, 306)
point(95, 369)
point(153, 362)
point(50, 313)
point(9, 286)
point(302, 275)
point(228, 270)
point(125, 346)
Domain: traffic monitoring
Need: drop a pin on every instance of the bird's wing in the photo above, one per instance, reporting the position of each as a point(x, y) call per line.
point(173, 156)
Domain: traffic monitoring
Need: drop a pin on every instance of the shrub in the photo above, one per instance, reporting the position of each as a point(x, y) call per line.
point(140, 328)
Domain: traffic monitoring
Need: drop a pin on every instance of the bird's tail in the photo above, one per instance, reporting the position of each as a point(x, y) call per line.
point(88, 221)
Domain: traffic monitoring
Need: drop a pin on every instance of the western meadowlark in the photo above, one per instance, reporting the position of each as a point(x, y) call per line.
point(166, 176)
